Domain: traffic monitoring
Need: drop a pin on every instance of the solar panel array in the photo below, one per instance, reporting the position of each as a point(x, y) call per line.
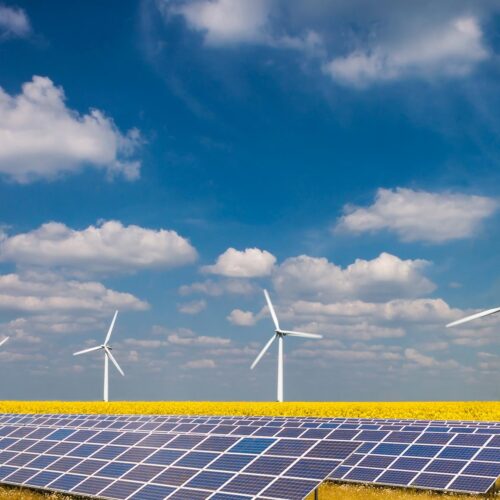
point(151, 457)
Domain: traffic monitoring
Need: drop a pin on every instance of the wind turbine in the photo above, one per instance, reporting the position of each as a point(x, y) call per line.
point(107, 356)
point(2, 342)
point(280, 335)
point(474, 316)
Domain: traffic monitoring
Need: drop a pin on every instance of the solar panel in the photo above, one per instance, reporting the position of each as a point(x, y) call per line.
point(154, 456)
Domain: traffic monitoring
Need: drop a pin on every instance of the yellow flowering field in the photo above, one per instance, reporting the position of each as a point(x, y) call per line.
point(473, 410)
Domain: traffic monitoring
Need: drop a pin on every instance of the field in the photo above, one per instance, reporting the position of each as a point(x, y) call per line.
point(326, 492)
point(476, 410)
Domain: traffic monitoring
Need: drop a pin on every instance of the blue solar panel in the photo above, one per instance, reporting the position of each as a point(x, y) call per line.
point(422, 450)
point(66, 482)
point(482, 469)
point(379, 461)
point(396, 477)
point(489, 454)
point(471, 484)
point(249, 484)
point(120, 489)
point(389, 449)
point(333, 449)
point(231, 462)
point(312, 468)
point(209, 480)
point(363, 474)
point(419, 453)
point(407, 463)
point(458, 452)
point(41, 479)
point(252, 445)
point(164, 457)
point(196, 459)
point(428, 480)
point(289, 489)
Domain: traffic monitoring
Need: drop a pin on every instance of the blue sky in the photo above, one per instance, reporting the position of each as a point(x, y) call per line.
point(171, 159)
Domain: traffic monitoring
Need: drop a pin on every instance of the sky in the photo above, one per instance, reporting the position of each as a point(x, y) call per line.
point(171, 159)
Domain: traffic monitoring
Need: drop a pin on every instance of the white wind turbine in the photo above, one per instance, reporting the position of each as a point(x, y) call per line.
point(474, 316)
point(2, 342)
point(107, 356)
point(280, 335)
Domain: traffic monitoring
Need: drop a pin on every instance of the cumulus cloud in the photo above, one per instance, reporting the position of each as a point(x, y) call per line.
point(42, 138)
point(422, 310)
point(47, 292)
point(242, 318)
point(227, 21)
point(379, 279)
point(427, 361)
point(420, 215)
point(452, 48)
point(249, 263)
point(232, 22)
point(14, 23)
point(193, 307)
point(107, 247)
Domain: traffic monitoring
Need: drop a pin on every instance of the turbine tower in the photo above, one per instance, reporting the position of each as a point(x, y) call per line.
point(280, 335)
point(474, 316)
point(107, 356)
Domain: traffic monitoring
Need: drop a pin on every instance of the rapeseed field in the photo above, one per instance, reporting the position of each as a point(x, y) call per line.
point(470, 410)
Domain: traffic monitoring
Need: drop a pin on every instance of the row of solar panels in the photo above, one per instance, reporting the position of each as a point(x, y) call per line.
point(155, 465)
point(192, 424)
point(464, 461)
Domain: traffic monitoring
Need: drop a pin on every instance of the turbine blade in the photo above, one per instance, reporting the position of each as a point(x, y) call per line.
point(112, 358)
point(271, 310)
point(3, 341)
point(87, 350)
point(474, 316)
point(261, 353)
point(108, 336)
point(302, 334)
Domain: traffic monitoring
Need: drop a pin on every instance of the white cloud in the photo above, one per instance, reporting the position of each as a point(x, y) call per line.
point(242, 318)
point(44, 293)
point(199, 364)
point(427, 361)
point(227, 21)
point(380, 279)
point(422, 311)
point(359, 331)
point(249, 263)
point(184, 339)
point(42, 138)
point(450, 49)
point(420, 215)
point(218, 288)
point(107, 247)
point(14, 23)
point(232, 22)
point(193, 307)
